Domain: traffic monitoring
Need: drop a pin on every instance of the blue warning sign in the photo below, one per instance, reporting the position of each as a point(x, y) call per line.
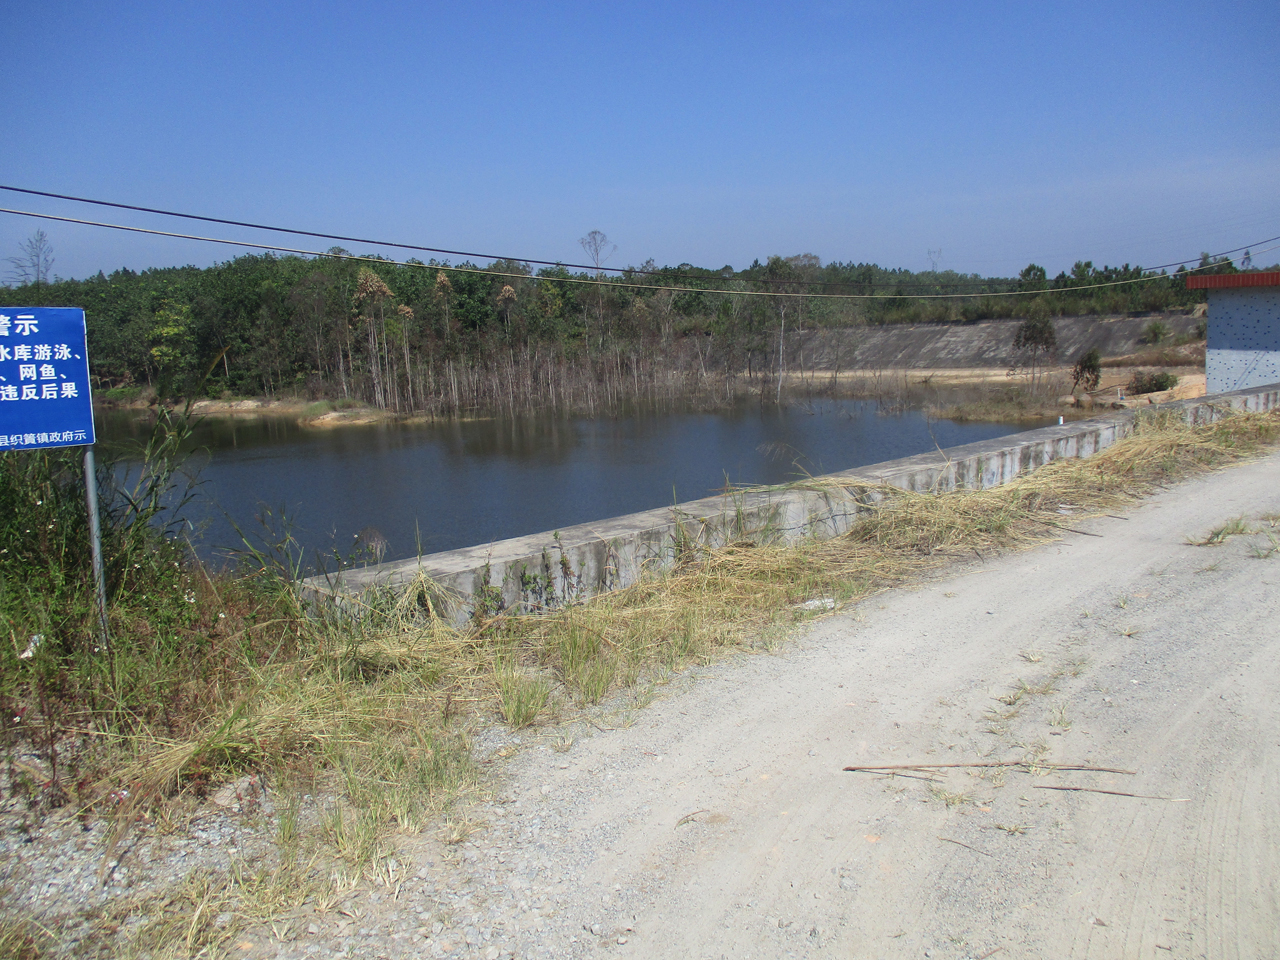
point(45, 398)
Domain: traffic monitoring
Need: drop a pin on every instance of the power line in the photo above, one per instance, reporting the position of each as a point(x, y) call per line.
point(550, 263)
point(422, 249)
point(615, 284)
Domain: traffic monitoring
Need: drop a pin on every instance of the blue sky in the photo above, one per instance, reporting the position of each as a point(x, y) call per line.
point(999, 133)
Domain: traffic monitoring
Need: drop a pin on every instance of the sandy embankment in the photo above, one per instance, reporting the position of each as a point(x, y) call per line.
point(299, 410)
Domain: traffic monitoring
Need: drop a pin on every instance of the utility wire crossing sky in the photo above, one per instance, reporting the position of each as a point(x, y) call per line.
point(738, 289)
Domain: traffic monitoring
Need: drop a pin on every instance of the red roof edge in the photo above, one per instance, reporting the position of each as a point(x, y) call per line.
point(1219, 281)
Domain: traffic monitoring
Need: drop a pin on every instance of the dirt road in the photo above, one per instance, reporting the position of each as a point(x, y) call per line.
point(720, 823)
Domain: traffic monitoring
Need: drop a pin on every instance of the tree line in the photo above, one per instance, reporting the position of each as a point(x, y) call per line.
point(442, 338)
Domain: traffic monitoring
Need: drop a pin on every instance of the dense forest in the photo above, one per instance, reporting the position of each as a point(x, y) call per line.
point(444, 339)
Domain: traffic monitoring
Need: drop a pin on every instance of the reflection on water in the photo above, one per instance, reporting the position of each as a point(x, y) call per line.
point(431, 487)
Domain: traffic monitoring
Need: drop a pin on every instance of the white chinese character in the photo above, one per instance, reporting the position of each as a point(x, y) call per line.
point(82, 435)
point(29, 391)
point(28, 438)
point(43, 351)
point(42, 438)
point(26, 371)
point(26, 324)
point(4, 439)
point(68, 390)
point(5, 354)
point(22, 351)
point(62, 352)
point(4, 325)
point(47, 372)
point(8, 392)
point(48, 391)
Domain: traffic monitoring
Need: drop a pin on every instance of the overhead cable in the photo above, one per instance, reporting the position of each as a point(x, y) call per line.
point(588, 281)
point(630, 271)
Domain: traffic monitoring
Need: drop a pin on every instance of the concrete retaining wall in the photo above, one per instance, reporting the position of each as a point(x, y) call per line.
point(546, 570)
point(986, 343)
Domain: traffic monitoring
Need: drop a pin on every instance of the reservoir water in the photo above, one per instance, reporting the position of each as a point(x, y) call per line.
point(437, 486)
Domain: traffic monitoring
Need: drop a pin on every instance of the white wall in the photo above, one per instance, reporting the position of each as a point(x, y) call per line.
point(1244, 338)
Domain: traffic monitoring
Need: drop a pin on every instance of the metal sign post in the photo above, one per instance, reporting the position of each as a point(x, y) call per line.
point(46, 401)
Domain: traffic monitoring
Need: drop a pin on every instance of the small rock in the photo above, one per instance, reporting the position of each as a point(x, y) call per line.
point(622, 940)
point(596, 930)
point(312, 929)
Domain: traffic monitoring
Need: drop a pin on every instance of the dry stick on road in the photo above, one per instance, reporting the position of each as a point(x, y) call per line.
point(1114, 793)
point(883, 768)
point(1059, 526)
point(965, 845)
point(689, 817)
point(912, 776)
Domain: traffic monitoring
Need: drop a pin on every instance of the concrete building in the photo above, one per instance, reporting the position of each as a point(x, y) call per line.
point(1244, 330)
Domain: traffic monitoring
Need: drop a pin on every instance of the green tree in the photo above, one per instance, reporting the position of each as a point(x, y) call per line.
point(172, 346)
point(1033, 278)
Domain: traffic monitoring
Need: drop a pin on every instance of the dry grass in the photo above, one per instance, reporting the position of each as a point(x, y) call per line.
point(24, 940)
point(1010, 400)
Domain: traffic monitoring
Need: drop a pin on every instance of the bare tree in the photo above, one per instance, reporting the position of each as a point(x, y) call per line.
point(505, 299)
point(786, 286)
point(32, 266)
point(599, 249)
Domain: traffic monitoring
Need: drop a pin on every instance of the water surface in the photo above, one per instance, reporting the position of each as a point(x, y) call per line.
point(438, 486)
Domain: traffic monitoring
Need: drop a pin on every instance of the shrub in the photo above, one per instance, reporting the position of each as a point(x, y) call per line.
point(1156, 333)
point(122, 394)
point(1151, 382)
point(1088, 370)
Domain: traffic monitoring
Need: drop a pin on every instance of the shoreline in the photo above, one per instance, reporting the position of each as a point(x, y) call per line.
point(845, 384)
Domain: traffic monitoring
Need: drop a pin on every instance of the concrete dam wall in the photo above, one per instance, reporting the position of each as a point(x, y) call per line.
point(546, 570)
